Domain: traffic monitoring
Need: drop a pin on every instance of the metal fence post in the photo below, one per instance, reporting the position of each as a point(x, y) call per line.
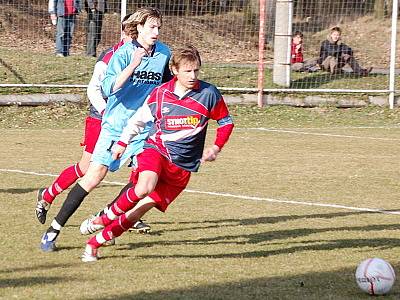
point(261, 44)
point(392, 75)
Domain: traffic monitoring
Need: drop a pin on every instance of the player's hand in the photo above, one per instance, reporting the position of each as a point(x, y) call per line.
point(210, 154)
point(117, 151)
point(346, 56)
point(138, 55)
point(53, 18)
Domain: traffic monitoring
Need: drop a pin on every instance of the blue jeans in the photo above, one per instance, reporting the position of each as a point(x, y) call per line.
point(65, 29)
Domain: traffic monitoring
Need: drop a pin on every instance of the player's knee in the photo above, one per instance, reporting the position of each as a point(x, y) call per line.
point(93, 177)
point(143, 189)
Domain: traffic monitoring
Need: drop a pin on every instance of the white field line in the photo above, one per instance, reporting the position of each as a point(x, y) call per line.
point(320, 134)
point(243, 197)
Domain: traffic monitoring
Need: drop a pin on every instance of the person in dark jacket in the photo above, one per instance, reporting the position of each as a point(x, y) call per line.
point(334, 55)
point(95, 11)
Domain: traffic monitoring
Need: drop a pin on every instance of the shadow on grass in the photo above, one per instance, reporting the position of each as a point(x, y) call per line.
point(12, 70)
point(35, 268)
point(306, 245)
point(263, 220)
point(17, 191)
point(338, 284)
point(32, 281)
point(275, 236)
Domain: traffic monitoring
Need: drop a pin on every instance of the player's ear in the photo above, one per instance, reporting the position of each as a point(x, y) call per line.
point(139, 28)
point(174, 70)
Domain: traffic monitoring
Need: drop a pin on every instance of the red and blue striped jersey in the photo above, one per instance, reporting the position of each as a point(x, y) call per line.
point(179, 125)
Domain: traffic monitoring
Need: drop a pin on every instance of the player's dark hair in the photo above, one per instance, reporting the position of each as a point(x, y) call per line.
point(140, 17)
point(187, 53)
point(298, 33)
point(123, 22)
point(336, 28)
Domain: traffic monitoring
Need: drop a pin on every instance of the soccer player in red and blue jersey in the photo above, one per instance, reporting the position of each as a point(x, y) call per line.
point(179, 111)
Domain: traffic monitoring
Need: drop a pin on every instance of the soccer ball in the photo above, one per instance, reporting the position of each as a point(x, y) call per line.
point(375, 276)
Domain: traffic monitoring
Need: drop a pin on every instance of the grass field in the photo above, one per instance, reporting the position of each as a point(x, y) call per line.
point(286, 212)
point(25, 68)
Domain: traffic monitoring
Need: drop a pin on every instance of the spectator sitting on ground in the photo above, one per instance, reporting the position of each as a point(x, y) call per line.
point(298, 63)
point(334, 55)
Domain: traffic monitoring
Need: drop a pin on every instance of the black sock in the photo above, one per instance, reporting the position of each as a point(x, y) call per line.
point(71, 204)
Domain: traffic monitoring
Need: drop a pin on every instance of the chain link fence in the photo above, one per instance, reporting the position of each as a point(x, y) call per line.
point(226, 32)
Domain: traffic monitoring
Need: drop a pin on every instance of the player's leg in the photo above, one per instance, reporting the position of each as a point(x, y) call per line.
point(75, 197)
point(88, 227)
point(172, 181)
point(144, 178)
point(98, 168)
point(128, 200)
point(46, 196)
point(68, 176)
point(116, 228)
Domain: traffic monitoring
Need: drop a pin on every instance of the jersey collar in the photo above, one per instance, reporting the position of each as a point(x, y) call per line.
point(137, 44)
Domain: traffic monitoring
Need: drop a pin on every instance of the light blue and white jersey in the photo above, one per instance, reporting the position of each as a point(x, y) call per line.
point(123, 103)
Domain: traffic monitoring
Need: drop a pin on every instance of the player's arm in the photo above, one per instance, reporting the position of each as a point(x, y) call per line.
point(134, 127)
point(52, 8)
point(94, 91)
point(167, 74)
point(224, 131)
point(128, 71)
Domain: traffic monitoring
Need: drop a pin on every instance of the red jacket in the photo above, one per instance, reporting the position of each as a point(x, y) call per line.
point(297, 54)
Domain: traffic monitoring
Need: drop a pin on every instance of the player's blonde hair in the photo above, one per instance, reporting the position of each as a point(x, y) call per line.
point(188, 53)
point(140, 17)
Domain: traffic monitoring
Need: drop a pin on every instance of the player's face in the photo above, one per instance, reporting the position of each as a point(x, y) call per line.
point(149, 31)
point(187, 74)
point(335, 36)
point(297, 40)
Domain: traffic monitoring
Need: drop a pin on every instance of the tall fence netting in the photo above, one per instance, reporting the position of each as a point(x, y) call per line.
point(225, 32)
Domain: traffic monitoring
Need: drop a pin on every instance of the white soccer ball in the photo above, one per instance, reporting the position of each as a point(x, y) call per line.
point(375, 276)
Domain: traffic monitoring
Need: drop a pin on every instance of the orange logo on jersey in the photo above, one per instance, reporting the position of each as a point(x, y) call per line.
point(178, 123)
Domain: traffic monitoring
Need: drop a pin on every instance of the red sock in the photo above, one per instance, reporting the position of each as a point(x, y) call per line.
point(94, 243)
point(106, 221)
point(63, 181)
point(116, 228)
point(125, 202)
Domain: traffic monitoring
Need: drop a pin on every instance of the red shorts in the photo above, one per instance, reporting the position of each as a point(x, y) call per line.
point(92, 132)
point(172, 180)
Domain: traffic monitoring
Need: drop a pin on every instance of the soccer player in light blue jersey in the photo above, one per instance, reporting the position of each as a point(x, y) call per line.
point(132, 73)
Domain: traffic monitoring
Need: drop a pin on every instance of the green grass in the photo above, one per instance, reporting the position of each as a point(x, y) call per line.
point(45, 68)
point(214, 246)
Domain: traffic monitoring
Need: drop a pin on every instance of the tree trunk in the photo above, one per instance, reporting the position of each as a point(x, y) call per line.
point(379, 9)
point(299, 9)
